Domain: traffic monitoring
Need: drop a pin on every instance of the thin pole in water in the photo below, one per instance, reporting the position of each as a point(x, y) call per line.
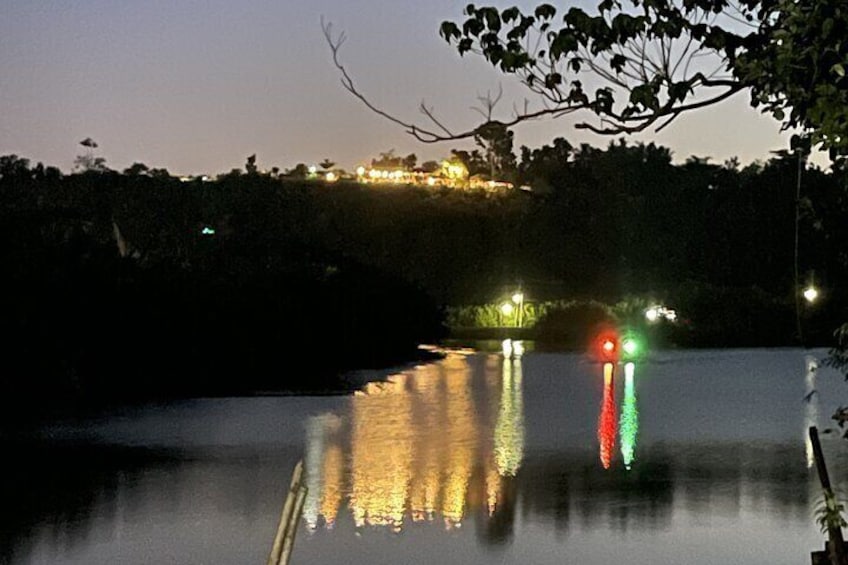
point(289, 519)
point(836, 543)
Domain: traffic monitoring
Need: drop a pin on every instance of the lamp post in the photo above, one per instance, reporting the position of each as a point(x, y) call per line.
point(518, 299)
point(507, 310)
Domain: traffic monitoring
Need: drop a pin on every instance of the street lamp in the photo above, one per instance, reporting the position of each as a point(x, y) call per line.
point(810, 294)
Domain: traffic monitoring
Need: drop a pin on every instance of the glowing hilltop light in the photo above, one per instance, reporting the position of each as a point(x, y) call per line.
point(518, 297)
point(655, 313)
point(331, 177)
point(810, 294)
point(360, 171)
point(431, 181)
point(507, 309)
point(313, 169)
point(207, 231)
point(374, 174)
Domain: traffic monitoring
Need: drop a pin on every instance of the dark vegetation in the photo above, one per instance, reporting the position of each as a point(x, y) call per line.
point(114, 292)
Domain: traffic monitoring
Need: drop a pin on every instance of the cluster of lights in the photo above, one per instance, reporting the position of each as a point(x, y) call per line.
point(375, 174)
point(656, 313)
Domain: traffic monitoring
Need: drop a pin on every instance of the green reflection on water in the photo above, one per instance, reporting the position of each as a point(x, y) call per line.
point(629, 423)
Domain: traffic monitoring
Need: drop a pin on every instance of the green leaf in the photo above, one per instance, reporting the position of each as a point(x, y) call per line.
point(449, 30)
point(545, 12)
point(510, 14)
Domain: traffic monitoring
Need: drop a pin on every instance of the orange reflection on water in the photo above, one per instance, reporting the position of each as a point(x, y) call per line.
point(607, 420)
point(333, 484)
point(437, 439)
point(461, 440)
point(381, 454)
point(429, 390)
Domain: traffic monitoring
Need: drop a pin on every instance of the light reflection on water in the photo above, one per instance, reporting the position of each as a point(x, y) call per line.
point(421, 447)
point(449, 462)
point(629, 423)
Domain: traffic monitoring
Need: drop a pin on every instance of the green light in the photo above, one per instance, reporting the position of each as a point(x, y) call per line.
point(630, 346)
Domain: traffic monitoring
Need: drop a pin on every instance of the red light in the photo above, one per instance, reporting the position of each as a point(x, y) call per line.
point(608, 345)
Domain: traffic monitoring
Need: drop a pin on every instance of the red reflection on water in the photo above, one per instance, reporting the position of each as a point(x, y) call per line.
point(607, 421)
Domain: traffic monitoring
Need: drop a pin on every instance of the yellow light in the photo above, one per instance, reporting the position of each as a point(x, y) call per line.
point(360, 171)
point(374, 174)
point(331, 177)
point(507, 309)
point(431, 181)
point(810, 294)
point(518, 297)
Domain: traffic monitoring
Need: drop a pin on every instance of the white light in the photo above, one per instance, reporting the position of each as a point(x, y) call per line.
point(507, 309)
point(313, 169)
point(651, 314)
point(431, 181)
point(506, 347)
point(518, 348)
point(360, 171)
point(518, 297)
point(810, 294)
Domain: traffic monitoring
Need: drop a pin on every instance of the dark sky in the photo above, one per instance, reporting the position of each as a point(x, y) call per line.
point(197, 86)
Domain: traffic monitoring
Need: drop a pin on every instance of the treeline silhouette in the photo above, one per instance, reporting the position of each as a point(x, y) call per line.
point(137, 284)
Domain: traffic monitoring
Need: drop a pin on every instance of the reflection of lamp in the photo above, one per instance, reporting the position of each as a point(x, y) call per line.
point(509, 429)
point(811, 410)
point(607, 421)
point(629, 423)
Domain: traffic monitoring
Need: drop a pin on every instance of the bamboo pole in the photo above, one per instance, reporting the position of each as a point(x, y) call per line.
point(295, 490)
point(836, 543)
point(291, 531)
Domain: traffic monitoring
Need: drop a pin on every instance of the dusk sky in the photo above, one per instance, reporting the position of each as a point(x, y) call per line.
point(197, 86)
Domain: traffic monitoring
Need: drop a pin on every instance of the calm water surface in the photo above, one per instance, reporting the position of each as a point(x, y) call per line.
point(693, 456)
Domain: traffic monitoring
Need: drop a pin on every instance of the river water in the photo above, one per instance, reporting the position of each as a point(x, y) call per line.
point(686, 456)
